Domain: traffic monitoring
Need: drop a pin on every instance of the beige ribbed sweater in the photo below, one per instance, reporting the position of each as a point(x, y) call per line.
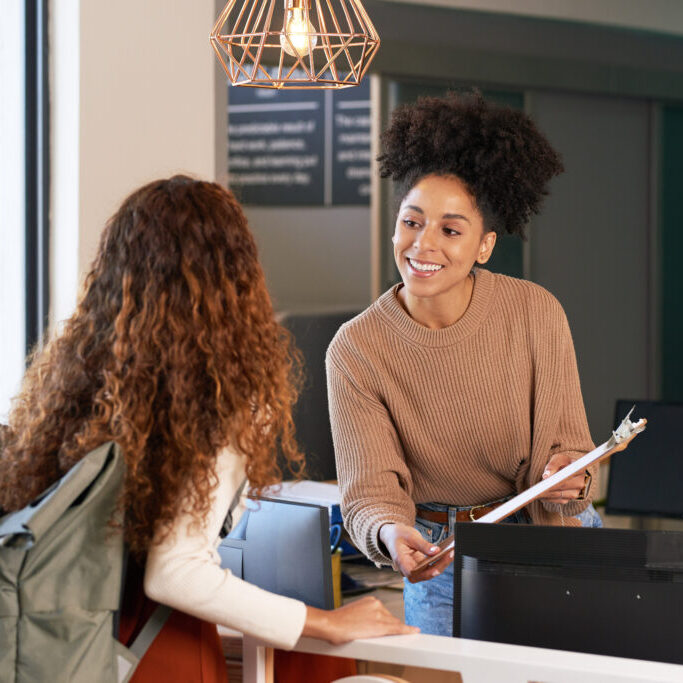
point(460, 415)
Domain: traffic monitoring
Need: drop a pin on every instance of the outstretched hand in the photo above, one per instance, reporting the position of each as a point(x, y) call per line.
point(407, 549)
point(567, 490)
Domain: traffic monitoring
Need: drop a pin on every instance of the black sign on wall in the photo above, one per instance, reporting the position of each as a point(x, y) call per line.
point(300, 148)
point(275, 146)
point(351, 145)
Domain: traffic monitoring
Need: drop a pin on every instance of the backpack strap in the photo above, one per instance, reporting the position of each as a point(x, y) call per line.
point(128, 658)
point(160, 615)
point(150, 630)
point(162, 612)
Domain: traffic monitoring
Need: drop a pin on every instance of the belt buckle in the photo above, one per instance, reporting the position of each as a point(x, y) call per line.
point(473, 508)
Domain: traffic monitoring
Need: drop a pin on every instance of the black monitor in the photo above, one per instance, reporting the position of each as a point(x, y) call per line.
point(602, 591)
point(283, 547)
point(647, 478)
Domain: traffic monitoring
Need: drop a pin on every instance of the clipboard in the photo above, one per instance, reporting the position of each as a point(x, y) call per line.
point(620, 439)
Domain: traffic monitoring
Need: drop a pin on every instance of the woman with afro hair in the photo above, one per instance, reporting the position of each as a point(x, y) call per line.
point(174, 353)
point(457, 388)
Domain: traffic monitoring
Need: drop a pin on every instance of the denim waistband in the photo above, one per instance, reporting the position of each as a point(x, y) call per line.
point(443, 507)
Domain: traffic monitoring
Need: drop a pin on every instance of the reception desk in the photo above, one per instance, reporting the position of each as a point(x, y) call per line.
point(477, 661)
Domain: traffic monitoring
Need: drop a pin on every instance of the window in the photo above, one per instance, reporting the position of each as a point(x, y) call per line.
point(23, 188)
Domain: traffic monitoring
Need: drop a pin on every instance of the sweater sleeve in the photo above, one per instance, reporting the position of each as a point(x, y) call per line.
point(183, 571)
point(374, 480)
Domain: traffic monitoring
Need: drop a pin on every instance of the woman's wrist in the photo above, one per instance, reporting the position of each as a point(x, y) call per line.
point(383, 532)
point(317, 624)
point(384, 538)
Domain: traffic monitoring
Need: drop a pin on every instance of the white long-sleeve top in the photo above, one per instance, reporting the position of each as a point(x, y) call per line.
point(183, 571)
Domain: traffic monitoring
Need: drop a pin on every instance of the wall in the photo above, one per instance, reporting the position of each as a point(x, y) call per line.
point(133, 98)
point(671, 282)
point(315, 259)
point(591, 244)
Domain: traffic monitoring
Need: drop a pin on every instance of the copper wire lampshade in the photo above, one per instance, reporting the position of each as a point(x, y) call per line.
point(295, 43)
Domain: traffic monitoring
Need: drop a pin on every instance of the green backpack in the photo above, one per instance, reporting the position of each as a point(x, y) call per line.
point(61, 581)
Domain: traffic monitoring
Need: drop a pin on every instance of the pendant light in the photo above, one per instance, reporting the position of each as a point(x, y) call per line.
point(295, 43)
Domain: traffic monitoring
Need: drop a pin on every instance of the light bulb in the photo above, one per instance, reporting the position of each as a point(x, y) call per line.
point(298, 28)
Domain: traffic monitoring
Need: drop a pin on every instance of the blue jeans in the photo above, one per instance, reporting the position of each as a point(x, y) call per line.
point(429, 604)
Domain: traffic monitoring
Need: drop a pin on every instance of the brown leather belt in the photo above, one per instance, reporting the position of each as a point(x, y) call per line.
point(468, 515)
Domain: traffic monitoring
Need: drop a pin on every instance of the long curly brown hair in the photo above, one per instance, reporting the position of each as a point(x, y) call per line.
point(173, 352)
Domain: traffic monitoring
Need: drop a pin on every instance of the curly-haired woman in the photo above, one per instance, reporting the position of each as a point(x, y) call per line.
point(458, 387)
point(173, 352)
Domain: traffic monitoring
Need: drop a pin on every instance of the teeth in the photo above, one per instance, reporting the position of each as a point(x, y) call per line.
point(424, 267)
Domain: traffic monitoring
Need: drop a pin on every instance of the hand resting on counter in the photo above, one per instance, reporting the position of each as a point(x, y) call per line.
point(364, 618)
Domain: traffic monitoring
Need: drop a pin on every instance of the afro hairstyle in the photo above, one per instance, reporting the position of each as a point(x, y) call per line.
point(498, 152)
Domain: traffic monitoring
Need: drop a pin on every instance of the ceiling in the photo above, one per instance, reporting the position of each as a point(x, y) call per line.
point(657, 16)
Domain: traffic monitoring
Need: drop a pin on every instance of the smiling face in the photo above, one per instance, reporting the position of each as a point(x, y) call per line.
point(439, 236)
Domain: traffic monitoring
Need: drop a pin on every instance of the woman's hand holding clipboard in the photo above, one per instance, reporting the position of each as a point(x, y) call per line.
point(619, 440)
